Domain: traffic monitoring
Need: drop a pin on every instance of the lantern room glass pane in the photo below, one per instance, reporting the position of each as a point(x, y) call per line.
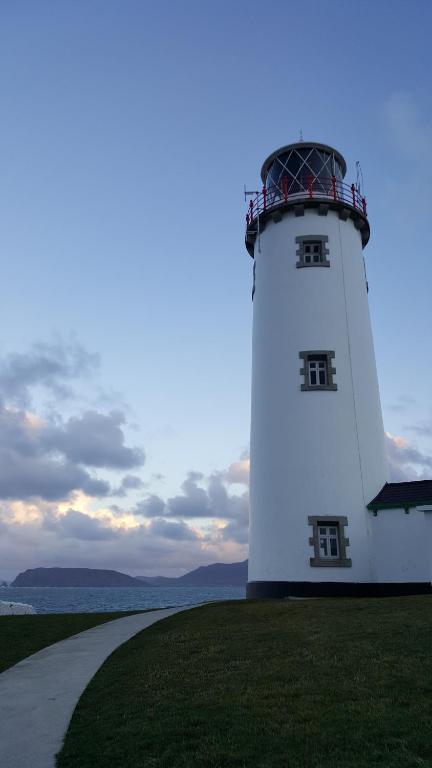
point(300, 167)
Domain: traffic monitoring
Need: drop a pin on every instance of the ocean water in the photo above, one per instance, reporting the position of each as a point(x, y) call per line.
point(91, 600)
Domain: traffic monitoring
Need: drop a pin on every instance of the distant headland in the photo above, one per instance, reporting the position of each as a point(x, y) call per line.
point(215, 575)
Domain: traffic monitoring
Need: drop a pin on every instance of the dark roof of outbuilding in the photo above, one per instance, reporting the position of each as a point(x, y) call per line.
point(396, 495)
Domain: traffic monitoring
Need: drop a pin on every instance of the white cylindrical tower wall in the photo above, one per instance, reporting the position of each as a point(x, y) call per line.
point(314, 453)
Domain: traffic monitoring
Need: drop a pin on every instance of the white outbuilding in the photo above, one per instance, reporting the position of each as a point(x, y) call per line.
point(324, 520)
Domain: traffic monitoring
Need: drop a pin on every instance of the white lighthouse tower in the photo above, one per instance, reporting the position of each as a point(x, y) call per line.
point(317, 438)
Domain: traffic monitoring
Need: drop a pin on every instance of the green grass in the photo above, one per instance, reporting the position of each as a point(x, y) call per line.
point(21, 636)
point(305, 684)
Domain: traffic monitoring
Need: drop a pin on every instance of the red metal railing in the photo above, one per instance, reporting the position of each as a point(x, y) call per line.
point(320, 188)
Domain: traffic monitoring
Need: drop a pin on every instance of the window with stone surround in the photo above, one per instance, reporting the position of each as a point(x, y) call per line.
point(312, 251)
point(329, 542)
point(317, 370)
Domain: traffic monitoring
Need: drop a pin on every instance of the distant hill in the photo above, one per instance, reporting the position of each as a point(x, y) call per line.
point(216, 575)
point(73, 577)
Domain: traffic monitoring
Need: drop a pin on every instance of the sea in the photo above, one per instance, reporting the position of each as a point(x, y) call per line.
point(92, 600)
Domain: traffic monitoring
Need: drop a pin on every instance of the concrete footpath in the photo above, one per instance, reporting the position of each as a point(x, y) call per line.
point(39, 694)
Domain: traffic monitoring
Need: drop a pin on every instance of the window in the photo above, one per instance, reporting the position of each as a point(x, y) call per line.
point(312, 251)
point(317, 370)
point(329, 542)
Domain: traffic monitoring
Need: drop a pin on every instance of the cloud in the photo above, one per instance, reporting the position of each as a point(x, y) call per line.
point(29, 478)
point(406, 462)
point(212, 502)
point(26, 468)
point(229, 512)
point(152, 506)
point(169, 530)
point(94, 439)
point(50, 458)
point(193, 502)
point(77, 525)
point(50, 365)
point(236, 530)
point(128, 483)
point(238, 472)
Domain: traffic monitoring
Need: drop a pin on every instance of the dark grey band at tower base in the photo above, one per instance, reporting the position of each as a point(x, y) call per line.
point(256, 590)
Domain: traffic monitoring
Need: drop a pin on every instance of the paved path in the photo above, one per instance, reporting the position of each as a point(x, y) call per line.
point(39, 694)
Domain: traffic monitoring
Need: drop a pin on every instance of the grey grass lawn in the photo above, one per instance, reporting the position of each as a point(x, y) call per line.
point(305, 684)
point(20, 636)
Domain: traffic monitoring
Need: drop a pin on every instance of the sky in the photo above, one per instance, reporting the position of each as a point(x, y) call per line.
point(128, 131)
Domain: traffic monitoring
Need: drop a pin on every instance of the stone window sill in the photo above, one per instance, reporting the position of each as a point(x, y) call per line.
point(300, 264)
point(328, 387)
point(319, 562)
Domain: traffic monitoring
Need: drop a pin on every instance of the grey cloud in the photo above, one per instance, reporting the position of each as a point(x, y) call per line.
point(225, 505)
point(128, 483)
point(49, 463)
point(218, 499)
point(27, 477)
point(16, 434)
point(193, 503)
point(236, 530)
point(152, 506)
point(51, 366)
point(132, 482)
point(169, 530)
point(194, 477)
point(94, 439)
point(51, 459)
point(77, 525)
point(213, 502)
point(403, 460)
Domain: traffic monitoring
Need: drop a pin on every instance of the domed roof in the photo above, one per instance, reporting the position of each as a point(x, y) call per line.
point(303, 145)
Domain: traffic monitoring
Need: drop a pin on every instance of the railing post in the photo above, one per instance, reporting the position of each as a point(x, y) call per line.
point(251, 211)
point(334, 187)
point(353, 190)
point(247, 220)
point(364, 205)
point(285, 188)
point(264, 192)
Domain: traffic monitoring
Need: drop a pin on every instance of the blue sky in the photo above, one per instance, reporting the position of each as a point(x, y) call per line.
point(128, 131)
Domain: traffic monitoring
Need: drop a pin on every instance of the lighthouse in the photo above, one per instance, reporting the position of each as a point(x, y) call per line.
point(317, 451)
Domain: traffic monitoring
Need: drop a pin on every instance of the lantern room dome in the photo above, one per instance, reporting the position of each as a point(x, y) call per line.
point(303, 159)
